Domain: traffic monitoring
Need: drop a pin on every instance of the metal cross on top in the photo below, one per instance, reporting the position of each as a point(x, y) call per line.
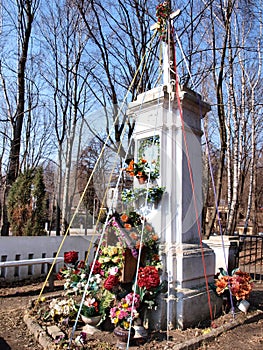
point(163, 27)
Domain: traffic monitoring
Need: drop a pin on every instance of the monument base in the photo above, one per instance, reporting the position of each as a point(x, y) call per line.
point(192, 307)
point(186, 303)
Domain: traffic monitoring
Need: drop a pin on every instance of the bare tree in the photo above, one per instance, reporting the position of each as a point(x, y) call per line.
point(26, 10)
point(120, 33)
point(66, 74)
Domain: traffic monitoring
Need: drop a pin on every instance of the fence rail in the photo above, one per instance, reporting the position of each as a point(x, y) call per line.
point(250, 256)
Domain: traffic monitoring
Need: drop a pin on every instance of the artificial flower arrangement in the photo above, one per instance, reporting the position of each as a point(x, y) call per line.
point(239, 284)
point(75, 274)
point(134, 232)
point(162, 14)
point(107, 295)
point(61, 309)
point(125, 311)
point(142, 169)
point(102, 278)
point(152, 194)
point(149, 285)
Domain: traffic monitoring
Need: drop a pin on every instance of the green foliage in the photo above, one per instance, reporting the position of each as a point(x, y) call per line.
point(26, 204)
point(153, 194)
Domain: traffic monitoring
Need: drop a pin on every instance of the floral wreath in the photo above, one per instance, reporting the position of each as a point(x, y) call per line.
point(162, 14)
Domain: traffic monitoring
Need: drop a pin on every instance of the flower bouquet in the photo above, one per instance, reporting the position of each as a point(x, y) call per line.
point(125, 312)
point(60, 309)
point(149, 285)
point(142, 169)
point(74, 272)
point(239, 284)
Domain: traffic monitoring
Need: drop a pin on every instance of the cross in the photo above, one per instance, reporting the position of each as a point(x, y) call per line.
point(163, 25)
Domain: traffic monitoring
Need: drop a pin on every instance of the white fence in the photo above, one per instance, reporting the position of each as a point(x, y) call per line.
point(14, 248)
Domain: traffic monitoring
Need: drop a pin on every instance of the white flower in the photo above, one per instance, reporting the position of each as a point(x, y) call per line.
point(113, 270)
point(98, 278)
point(83, 276)
point(66, 310)
point(89, 302)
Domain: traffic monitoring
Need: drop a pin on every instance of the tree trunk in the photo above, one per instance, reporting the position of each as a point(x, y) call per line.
point(25, 20)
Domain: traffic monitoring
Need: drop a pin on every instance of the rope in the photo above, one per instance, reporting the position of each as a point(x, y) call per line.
point(107, 218)
point(211, 173)
point(92, 174)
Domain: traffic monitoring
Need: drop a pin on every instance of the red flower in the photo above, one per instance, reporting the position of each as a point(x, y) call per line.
point(96, 267)
point(148, 277)
point(81, 264)
point(71, 257)
point(59, 276)
point(111, 281)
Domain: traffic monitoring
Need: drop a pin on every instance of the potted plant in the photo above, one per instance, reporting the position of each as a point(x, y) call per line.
point(90, 310)
point(122, 315)
point(153, 194)
point(143, 170)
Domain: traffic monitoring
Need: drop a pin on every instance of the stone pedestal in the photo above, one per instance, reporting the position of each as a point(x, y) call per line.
point(176, 220)
point(226, 250)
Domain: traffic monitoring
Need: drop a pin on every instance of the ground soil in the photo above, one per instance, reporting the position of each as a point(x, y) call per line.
point(14, 335)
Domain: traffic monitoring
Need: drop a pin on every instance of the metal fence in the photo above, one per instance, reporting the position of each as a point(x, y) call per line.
point(250, 256)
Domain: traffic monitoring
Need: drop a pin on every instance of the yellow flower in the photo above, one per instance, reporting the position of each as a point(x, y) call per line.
point(116, 259)
point(126, 324)
point(104, 259)
point(112, 251)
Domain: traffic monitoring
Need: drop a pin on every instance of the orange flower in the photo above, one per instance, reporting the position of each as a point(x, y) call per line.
point(221, 284)
point(128, 226)
point(124, 218)
point(130, 168)
point(133, 235)
point(143, 161)
point(155, 257)
point(155, 237)
point(138, 245)
point(139, 173)
point(148, 228)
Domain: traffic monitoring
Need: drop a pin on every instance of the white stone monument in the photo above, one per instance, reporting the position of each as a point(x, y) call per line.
point(185, 259)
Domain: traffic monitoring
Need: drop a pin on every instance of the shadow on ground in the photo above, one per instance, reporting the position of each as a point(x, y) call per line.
point(4, 345)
